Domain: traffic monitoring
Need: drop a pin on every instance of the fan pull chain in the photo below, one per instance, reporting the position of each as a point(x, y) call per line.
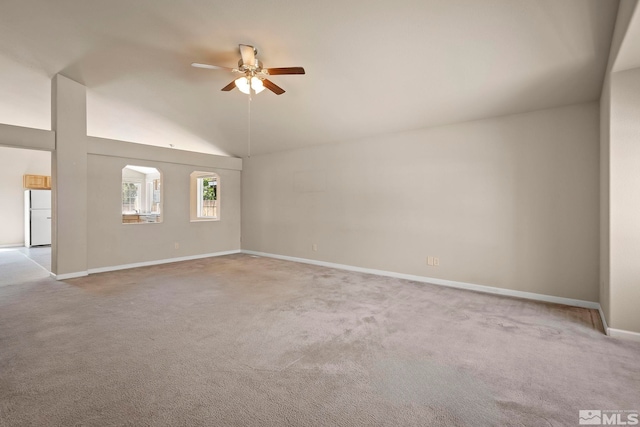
point(249, 126)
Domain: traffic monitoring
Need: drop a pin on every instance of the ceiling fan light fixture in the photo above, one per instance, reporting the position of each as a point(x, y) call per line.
point(242, 84)
point(255, 76)
point(257, 84)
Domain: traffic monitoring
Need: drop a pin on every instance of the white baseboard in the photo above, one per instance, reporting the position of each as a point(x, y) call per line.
point(621, 333)
point(160, 261)
point(66, 276)
point(13, 245)
point(615, 333)
point(441, 282)
point(604, 320)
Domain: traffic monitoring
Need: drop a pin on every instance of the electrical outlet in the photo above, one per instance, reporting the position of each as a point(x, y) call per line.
point(314, 247)
point(429, 260)
point(176, 245)
point(436, 261)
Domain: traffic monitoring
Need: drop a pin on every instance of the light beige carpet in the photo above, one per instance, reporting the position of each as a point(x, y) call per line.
point(245, 341)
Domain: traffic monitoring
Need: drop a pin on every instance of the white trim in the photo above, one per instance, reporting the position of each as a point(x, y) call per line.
point(69, 275)
point(614, 333)
point(13, 245)
point(195, 189)
point(441, 282)
point(160, 261)
point(621, 333)
point(604, 320)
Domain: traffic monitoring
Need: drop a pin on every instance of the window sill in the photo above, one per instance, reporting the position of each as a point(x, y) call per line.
point(205, 220)
point(140, 222)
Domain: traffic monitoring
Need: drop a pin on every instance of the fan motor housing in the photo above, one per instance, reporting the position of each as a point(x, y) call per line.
point(256, 66)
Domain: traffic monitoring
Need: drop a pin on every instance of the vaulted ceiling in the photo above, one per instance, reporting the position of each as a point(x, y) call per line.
point(373, 67)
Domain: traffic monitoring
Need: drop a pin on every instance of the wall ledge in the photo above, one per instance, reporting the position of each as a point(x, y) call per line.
point(131, 150)
point(27, 138)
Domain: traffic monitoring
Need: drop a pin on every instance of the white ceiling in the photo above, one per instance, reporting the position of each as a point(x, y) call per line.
point(373, 67)
point(142, 169)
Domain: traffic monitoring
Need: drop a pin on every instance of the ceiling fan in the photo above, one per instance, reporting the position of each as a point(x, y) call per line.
point(254, 76)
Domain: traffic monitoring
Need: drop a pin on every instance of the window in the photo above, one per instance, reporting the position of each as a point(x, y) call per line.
point(141, 195)
point(131, 195)
point(205, 196)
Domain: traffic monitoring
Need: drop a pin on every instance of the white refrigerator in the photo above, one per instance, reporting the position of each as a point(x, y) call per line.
point(37, 222)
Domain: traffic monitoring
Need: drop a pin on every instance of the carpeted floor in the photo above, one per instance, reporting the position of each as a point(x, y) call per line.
point(19, 264)
point(246, 341)
point(41, 255)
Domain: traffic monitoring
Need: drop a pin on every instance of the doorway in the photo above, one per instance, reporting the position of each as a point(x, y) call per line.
point(15, 216)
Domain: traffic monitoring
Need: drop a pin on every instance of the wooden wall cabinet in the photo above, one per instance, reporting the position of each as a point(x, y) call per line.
point(36, 182)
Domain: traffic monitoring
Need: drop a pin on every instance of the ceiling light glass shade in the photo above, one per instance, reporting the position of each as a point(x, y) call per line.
point(243, 84)
point(257, 85)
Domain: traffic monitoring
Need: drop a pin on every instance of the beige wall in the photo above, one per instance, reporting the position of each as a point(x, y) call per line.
point(625, 200)
point(620, 179)
point(69, 177)
point(626, 10)
point(112, 243)
point(14, 163)
point(509, 202)
point(87, 173)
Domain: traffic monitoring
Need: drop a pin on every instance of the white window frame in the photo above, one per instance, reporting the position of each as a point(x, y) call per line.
point(197, 178)
point(138, 200)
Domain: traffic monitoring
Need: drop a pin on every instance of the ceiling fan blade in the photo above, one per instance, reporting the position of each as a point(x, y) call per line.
point(273, 87)
point(230, 86)
point(285, 70)
point(210, 67)
point(248, 54)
